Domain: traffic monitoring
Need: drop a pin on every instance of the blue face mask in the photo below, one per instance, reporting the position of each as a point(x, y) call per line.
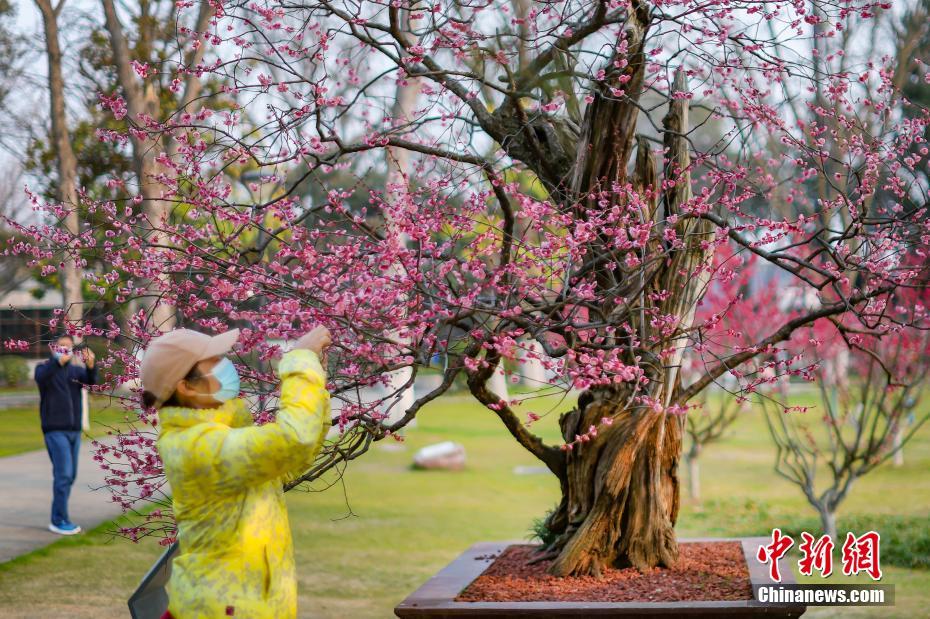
point(226, 373)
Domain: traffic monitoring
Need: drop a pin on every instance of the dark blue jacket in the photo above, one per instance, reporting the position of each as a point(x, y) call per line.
point(60, 393)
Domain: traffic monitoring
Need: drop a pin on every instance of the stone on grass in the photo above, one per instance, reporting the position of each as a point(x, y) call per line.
point(447, 456)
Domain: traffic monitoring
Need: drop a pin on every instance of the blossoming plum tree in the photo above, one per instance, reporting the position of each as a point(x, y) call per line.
point(570, 172)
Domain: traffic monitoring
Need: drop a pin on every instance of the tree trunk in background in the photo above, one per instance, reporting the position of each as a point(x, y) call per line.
point(828, 521)
point(897, 444)
point(85, 410)
point(498, 382)
point(67, 162)
point(694, 472)
point(397, 184)
point(142, 100)
point(531, 368)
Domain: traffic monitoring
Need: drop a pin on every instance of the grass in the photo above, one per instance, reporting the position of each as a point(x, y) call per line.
point(366, 542)
point(20, 429)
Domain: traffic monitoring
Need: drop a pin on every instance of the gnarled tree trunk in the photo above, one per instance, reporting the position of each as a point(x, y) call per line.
point(621, 489)
point(620, 499)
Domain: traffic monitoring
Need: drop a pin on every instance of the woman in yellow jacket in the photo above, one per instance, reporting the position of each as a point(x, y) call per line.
point(235, 553)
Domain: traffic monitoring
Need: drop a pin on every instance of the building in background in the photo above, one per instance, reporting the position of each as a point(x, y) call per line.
point(25, 313)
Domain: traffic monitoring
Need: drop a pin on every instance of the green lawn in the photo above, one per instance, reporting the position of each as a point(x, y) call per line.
point(370, 539)
point(20, 430)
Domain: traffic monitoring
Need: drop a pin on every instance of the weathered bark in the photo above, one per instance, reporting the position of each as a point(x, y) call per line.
point(621, 489)
point(67, 162)
point(622, 492)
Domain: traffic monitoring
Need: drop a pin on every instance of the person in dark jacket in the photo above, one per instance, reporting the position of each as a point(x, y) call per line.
point(60, 407)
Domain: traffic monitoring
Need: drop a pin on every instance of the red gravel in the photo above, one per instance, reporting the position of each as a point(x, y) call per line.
point(705, 571)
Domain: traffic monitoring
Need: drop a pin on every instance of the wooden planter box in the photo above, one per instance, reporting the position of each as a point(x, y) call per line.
point(436, 598)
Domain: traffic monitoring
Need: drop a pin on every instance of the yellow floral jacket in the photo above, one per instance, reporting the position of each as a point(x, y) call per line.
point(226, 474)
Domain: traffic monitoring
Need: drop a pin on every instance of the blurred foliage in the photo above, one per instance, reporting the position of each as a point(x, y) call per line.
point(14, 371)
point(905, 540)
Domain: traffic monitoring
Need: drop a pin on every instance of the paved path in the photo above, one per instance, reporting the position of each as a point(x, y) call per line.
point(19, 399)
point(26, 498)
point(26, 490)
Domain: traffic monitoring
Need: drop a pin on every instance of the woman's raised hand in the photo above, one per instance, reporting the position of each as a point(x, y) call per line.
point(317, 340)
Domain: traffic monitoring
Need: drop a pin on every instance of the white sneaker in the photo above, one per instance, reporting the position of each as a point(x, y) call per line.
point(66, 528)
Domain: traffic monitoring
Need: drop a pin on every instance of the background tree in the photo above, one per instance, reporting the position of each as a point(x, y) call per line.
point(108, 170)
point(12, 46)
point(138, 75)
point(13, 207)
point(857, 425)
point(737, 309)
point(603, 261)
point(710, 419)
point(71, 269)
